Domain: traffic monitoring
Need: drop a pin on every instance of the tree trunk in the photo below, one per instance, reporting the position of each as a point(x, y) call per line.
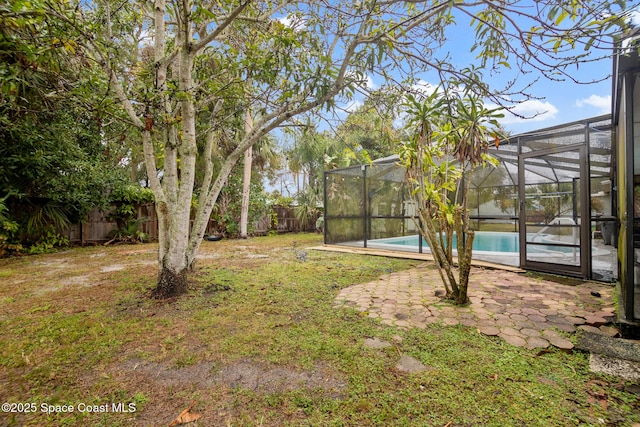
point(174, 194)
point(170, 283)
point(246, 183)
point(464, 265)
point(445, 269)
point(465, 245)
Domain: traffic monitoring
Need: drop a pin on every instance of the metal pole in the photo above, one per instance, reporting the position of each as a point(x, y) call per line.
point(324, 213)
point(585, 206)
point(629, 250)
point(420, 248)
point(365, 204)
point(522, 207)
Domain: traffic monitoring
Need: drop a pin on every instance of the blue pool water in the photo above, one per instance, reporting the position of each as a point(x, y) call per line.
point(485, 241)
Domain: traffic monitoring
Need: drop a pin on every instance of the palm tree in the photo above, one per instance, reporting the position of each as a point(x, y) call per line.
point(261, 156)
point(246, 183)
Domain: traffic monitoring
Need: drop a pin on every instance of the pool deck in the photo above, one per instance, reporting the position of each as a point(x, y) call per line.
point(523, 310)
point(603, 259)
point(408, 255)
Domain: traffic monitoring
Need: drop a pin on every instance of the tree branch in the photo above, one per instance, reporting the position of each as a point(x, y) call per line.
point(223, 26)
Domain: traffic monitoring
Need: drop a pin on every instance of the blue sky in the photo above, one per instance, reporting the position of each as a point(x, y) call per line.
point(556, 102)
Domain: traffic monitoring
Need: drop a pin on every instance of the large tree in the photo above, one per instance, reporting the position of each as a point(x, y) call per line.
point(369, 129)
point(57, 160)
point(300, 56)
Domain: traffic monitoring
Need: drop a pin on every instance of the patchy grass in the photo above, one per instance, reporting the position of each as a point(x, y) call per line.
point(257, 341)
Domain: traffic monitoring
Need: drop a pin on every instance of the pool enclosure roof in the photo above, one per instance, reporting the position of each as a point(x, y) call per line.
point(546, 168)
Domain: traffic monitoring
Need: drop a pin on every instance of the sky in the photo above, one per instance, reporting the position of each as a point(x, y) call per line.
point(556, 102)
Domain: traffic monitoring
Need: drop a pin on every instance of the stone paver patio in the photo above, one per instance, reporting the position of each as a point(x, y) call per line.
point(524, 311)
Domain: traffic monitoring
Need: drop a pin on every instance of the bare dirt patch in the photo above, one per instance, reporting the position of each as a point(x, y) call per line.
point(69, 282)
point(214, 383)
point(196, 375)
point(113, 267)
point(247, 374)
point(262, 377)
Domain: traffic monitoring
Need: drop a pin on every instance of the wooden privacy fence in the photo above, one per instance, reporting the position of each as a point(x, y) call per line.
point(287, 220)
point(98, 224)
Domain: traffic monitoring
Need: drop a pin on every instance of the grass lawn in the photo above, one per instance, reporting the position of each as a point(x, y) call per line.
point(257, 342)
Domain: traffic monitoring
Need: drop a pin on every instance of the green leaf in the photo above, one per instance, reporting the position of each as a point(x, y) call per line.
point(563, 15)
point(589, 43)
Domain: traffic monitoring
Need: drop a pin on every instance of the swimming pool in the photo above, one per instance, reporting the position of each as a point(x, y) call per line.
point(484, 241)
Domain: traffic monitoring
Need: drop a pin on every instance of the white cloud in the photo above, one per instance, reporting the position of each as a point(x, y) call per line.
point(145, 38)
point(353, 105)
point(295, 22)
point(602, 103)
point(635, 16)
point(533, 110)
point(362, 80)
point(371, 84)
point(424, 87)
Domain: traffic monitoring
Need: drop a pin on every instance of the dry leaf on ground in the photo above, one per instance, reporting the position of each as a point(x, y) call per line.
point(186, 417)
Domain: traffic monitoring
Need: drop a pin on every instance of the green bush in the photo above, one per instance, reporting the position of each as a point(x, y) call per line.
point(126, 200)
point(8, 229)
point(130, 232)
point(48, 241)
point(32, 226)
point(226, 213)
